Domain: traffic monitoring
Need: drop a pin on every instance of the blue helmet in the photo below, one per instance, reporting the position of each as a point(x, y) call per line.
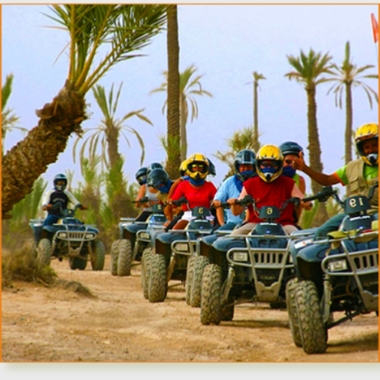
point(57, 178)
point(141, 176)
point(247, 157)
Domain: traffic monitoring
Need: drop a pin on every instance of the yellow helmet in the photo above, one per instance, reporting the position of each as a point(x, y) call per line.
point(269, 162)
point(183, 168)
point(197, 166)
point(367, 132)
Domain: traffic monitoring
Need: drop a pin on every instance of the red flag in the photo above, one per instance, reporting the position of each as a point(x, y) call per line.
point(375, 28)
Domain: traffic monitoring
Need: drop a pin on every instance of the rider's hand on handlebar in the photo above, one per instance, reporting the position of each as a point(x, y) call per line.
point(83, 207)
point(216, 203)
point(232, 201)
point(47, 207)
point(307, 205)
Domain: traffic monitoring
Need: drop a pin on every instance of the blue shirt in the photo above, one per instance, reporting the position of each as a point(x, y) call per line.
point(227, 190)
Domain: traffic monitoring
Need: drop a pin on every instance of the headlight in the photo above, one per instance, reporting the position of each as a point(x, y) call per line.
point(90, 236)
point(62, 235)
point(182, 247)
point(338, 265)
point(302, 243)
point(240, 256)
point(144, 235)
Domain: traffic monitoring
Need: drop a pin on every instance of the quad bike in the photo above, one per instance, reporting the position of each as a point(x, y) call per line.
point(255, 268)
point(334, 274)
point(130, 248)
point(69, 238)
point(171, 259)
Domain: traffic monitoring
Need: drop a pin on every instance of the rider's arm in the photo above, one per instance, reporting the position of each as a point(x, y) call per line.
point(73, 200)
point(46, 205)
point(297, 193)
point(237, 209)
point(321, 178)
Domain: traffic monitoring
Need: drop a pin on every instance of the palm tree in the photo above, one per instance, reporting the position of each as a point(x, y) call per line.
point(123, 29)
point(241, 139)
point(256, 78)
point(348, 76)
point(9, 119)
point(108, 132)
point(189, 87)
point(172, 142)
point(309, 70)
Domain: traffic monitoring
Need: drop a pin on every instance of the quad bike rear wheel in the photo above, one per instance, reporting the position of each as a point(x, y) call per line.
point(145, 263)
point(189, 277)
point(157, 288)
point(124, 260)
point(98, 255)
point(114, 257)
point(196, 286)
point(292, 311)
point(78, 263)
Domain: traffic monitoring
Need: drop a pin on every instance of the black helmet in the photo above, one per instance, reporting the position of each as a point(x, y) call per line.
point(157, 177)
point(290, 147)
point(247, 157)
point(153, 165)
point(60, 177)
point(141, 176)
point(211, 168)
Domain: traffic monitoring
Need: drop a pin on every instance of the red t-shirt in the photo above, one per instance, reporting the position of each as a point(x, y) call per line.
point(271, 194)
point(196, 196)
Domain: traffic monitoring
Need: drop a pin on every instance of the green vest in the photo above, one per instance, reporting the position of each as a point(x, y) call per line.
point(357, 185)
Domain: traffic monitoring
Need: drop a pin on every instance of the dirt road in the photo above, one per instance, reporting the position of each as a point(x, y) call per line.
point(41, 324)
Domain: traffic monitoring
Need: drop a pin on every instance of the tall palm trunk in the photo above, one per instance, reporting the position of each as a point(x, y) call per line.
point(112, 135)
point(348, 131)
point(315, 150)
point(41, 147)
point(173, 114)
point(256, 145)
point(183, 130)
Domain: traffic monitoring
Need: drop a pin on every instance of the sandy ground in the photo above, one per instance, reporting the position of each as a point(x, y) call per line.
point(118, 325)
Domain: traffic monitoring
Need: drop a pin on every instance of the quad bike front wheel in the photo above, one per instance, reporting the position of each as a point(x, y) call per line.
point(210, 297)
point(124, 260)
point(44, 253)
point(98, 255)
point(312, 329)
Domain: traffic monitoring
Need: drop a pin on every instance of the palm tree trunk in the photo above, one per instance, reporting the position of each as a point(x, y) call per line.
point(315, 151)
point(348, 131)
point(112, 135)
point(173, 115)
point(256, 145)
point(183, 131)
point(27, 160)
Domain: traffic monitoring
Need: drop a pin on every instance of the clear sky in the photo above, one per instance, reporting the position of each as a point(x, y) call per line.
point(227, 43)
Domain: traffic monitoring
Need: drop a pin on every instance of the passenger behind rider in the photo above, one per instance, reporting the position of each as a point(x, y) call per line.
point(268, 188)
point(291, 150)
point(244, 166)
point(358, 175)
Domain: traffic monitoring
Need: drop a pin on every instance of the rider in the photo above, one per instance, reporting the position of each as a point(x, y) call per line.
point(58, 199)
point(291, 150)
point(55, 201)
point(196, 190)
point(358, 175)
